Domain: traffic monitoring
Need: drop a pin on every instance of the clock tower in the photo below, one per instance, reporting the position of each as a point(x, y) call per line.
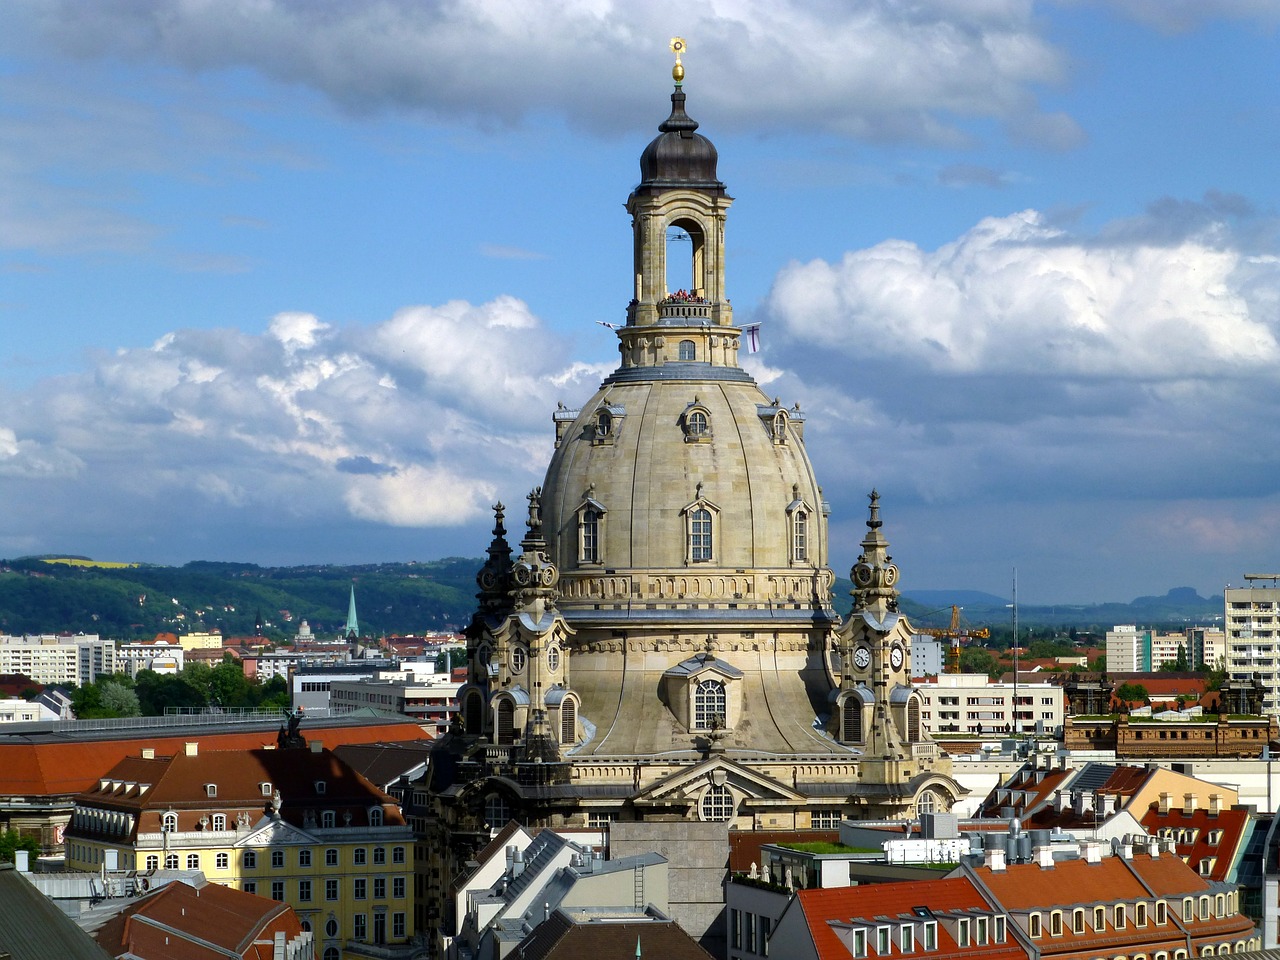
point(876, 707)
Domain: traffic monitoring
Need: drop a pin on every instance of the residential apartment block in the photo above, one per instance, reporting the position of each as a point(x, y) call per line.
point(1252, 624)
point(973, 703)
point(58, 658)
point(295, 825)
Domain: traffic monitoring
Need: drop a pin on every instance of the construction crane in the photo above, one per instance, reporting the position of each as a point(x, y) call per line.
point(955, 634)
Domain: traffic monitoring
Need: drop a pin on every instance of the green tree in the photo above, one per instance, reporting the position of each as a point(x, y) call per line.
point(979, 660)
point(12, 841)
point(1131, 692)
point(451, 657)
point(157, 691)
point(119, 700)
point(229, 687)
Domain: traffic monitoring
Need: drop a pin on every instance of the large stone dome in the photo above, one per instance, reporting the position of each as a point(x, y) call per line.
point(646, 455)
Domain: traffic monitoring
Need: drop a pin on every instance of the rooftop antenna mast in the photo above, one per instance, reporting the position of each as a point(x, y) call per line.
point(1017, 722)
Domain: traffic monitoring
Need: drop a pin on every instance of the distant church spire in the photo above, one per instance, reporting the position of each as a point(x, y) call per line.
point(352, 630)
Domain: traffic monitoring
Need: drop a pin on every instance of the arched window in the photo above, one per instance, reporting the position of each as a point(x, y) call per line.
point(717, 804)
point(696, 424)
point(927, 802)
point(327, 819)
point(852, 719)
point(153, 862)
point(473, 712)
point(700, 535)
point(1099, 918)
point(219, 821)
point(171, 861)
point(496, 811)
point(688, 350)
point(169, 823)
point(913, 720)
point(708, 704)
point(1162, 913)
point(1055, 923)
point(604, 423)
point(568, 721)
point(589, 535)
point(375, 816)
point(1077, 921)
point(506, 722)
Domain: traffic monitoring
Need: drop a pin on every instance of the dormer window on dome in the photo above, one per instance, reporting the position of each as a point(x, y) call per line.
point(696, 423)
point(606, 423)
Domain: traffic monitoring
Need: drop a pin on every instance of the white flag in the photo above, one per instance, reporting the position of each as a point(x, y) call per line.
point(752, 332)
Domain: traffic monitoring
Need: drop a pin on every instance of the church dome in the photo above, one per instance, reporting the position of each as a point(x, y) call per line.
point(679, 155)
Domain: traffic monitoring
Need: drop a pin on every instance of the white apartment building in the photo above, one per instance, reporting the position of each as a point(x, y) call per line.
point(56, 658)
point(1252, 624)
point(972, 703)
point(17, 710)
point(158, 655)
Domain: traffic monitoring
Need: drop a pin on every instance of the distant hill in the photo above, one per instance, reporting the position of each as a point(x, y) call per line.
point(40, 596)
point(50, 595)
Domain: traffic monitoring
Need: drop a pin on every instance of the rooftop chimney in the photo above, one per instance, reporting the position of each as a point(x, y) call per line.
point(1164, 802)
point(1091, 851)
point(1215, 804)
point(1188, 804)
point(995, 859)
point(1044, 857)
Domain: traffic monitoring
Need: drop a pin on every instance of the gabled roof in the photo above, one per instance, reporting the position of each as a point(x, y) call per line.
point(181, 922)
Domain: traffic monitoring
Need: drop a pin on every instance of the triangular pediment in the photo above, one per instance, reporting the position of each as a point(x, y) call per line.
point(269, 832)
point(688, 785)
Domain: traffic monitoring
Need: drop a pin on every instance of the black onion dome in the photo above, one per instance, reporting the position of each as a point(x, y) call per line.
point(679, 156)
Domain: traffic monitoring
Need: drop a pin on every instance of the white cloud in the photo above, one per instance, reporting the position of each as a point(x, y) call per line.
point(880, 70)
point(418, 421)
point(1016, 295)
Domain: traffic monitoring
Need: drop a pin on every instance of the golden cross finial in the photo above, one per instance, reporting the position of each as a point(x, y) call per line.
point(678, 46)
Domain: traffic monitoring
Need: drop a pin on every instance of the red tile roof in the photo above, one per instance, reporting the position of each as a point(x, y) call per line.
point(180, 922)
point(45, 767)
point(1202, 824)
point(824, 909)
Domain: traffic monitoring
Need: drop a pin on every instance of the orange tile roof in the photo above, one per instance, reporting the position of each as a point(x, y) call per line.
point(824, 909)
point(1232, 823)
point(180, 922)
point(31, 766)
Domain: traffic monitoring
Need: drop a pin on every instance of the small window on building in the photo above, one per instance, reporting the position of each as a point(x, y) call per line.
point(1001, 929)
point(688, 350)
point(568, 721)
point(1121, 916)
point(589, 535)
point(980, 928)
point(327, 819)
point(193, 861)
point(859, 943)
point(219, 821)
point(1034, 928)
point(907, 937)
point(375, 816)
point(359, 856)
point(1077, 921)
point(1099, 918)
point(799, 535)
point(250, 860)
point(1162, 913)
point(1140, 914)
point(962, 932)
point(169, 823)
point(222, 861)
point(931, 935)
point(882, 941)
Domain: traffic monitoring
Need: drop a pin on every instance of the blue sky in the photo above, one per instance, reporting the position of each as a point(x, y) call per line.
point(295, 282)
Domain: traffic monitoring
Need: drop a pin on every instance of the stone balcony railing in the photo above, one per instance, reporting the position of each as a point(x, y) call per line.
point(690, 310)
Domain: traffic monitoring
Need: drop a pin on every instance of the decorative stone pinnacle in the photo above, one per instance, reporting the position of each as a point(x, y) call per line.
point(874, 522)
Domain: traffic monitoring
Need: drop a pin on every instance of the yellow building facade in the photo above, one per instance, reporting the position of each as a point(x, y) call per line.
point(294, 825)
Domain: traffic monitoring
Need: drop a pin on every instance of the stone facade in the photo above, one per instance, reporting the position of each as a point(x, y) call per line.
point(663, 646)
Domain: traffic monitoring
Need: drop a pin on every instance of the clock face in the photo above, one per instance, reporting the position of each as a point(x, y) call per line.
point(895, 658)
point(862, 658)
